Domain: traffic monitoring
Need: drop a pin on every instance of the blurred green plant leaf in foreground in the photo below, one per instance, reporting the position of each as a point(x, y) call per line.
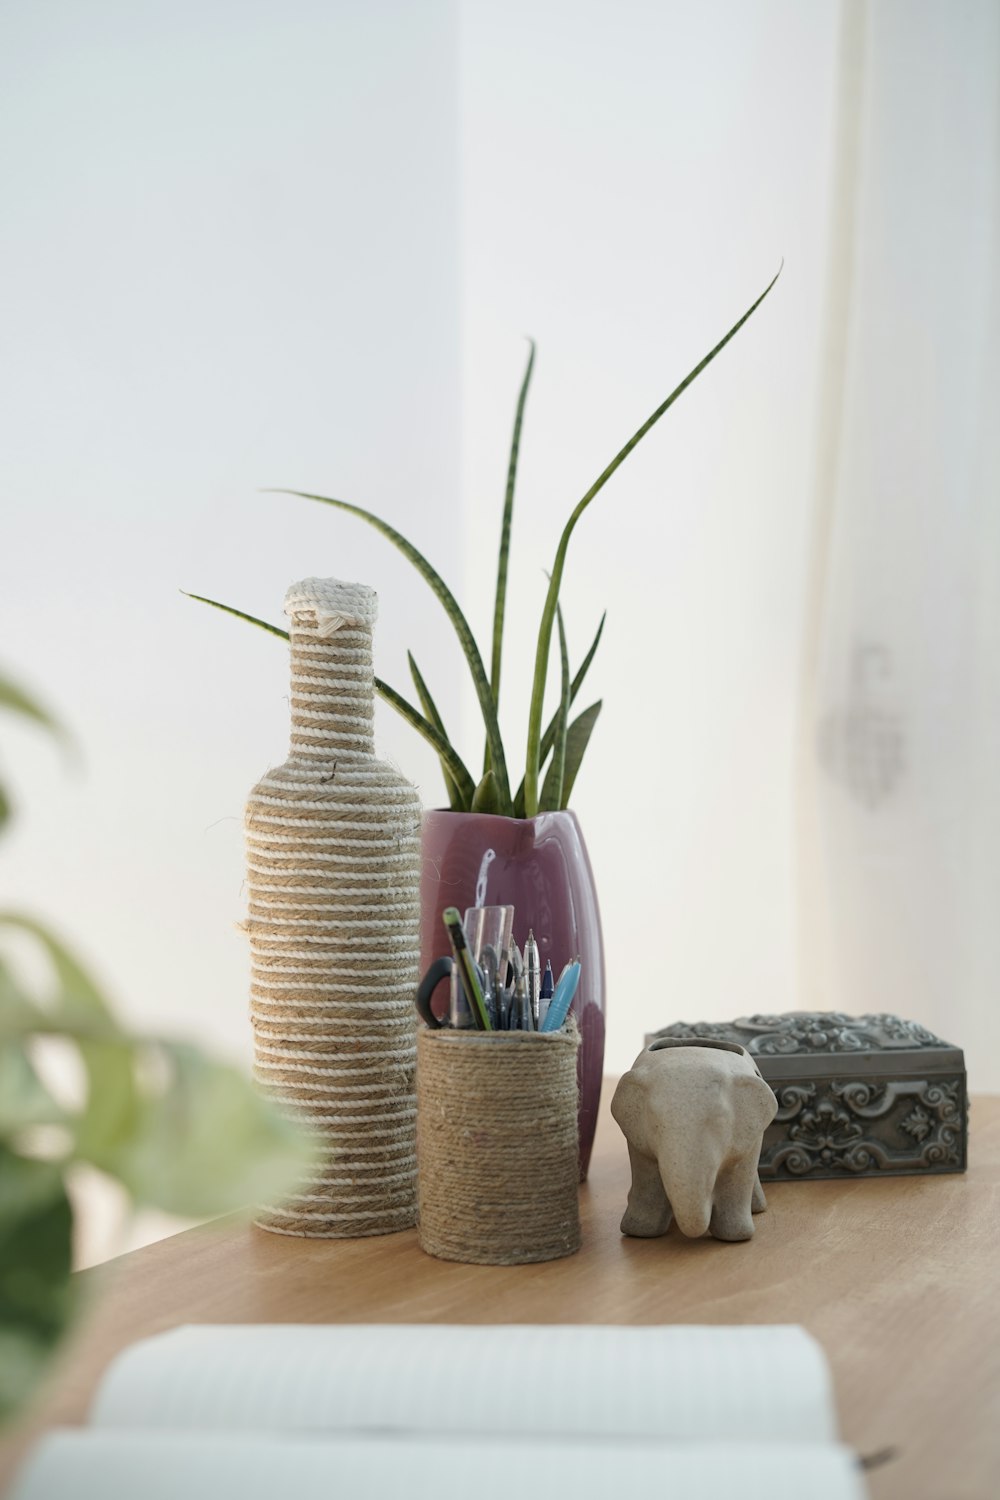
point(179, 1131)
point(36, 1293)
point(204, 1142)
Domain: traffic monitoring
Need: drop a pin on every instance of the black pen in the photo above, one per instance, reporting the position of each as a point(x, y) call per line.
point(545, 995)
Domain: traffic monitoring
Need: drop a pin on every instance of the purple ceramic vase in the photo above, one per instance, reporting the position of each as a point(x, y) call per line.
point(540, 867)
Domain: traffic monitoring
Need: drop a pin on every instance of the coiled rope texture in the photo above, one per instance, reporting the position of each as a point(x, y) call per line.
point(498, 1145)
point(333, 857)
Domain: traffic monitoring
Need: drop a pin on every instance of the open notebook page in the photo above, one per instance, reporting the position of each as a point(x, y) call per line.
point(89, 1465)
point(665, 1382)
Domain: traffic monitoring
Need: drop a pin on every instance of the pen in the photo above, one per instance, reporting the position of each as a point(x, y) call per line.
point(521, 1018)
point(488, 967)
point(532, 974)
point(545, 994)
point(563, 997)
point(467, 971)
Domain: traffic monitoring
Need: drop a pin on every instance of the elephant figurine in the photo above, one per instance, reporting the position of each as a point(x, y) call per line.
point(693, 1112)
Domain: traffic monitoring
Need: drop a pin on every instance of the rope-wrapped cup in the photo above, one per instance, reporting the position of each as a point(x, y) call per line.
point(498, 1145)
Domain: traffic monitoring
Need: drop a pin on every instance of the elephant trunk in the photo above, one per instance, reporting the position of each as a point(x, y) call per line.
point(690, 1192)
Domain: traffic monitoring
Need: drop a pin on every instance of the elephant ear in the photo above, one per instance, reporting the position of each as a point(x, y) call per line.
point(752, 1085)
point(627, 1104)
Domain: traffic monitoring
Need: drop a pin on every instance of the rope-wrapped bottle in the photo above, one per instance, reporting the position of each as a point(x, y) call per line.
point(333, 853)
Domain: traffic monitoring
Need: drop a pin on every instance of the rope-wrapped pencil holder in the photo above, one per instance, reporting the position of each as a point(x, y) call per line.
point(497, 1145)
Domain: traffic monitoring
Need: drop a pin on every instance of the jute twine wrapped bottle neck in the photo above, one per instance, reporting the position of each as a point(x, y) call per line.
point(333, 688)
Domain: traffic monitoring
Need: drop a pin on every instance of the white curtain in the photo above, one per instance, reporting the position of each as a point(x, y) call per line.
point(898, 808)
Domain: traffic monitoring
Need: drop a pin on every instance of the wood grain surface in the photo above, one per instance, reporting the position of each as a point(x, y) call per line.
point(899, 1279)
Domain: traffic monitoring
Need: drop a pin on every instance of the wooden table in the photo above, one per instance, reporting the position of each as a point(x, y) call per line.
point(897, 1278)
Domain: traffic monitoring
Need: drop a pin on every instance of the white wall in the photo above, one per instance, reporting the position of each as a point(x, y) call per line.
point(905, 795)
point(632, 176)
point(230, 262)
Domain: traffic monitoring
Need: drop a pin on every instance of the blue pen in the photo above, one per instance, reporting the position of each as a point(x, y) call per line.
point(563, 997)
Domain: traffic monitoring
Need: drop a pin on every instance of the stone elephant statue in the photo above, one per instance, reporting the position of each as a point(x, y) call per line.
point(694, 1112)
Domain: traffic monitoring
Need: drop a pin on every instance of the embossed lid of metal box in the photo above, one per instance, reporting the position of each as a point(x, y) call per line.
point(808, 1044)
point(857, 1095)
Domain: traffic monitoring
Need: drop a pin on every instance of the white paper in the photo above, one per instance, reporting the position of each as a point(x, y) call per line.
point(675, 1382)
point(105, 1465)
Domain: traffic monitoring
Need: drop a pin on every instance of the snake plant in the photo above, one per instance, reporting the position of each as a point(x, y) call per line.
point(553, 754)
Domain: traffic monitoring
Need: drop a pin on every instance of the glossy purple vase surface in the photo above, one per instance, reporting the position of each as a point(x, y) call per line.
point(540, 866)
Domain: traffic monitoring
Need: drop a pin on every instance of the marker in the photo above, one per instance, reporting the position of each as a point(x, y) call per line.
point(466, 968)
point(548, 985)
point(563, 997)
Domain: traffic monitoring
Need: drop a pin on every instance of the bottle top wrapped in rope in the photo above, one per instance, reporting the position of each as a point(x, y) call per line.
point(328, 605)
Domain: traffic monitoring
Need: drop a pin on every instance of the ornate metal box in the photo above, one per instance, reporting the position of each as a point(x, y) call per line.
point(858, 1096)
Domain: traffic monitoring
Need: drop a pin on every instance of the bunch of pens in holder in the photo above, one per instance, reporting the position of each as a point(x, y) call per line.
point(497, 1140)
point(493, 986)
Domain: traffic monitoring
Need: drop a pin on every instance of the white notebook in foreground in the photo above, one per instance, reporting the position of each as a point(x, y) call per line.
point(442, 1413)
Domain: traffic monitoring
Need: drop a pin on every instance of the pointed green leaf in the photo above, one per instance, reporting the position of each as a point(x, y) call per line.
point(548, 738)
point(434, 718)
point(460, 624)
point(228, 609)
point(552, 789)
point(486, 799)
point(508, 511)
point(533, 754)
point(577, 740)
point(448, 757)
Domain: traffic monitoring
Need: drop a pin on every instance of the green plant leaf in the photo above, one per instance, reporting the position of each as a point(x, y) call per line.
point(77, 995)
point(80, 1010)
point(577, 740)
point(17, 701)
point(487, 799)
point(37, 1296)
point(455, 798)
point(19, 1014)
point(508, 511)
point(552, 787)
point(113, 1108)
point(532, 757)
point(24, 1099)
point(548, 738)
point(229, 610)
point(434, 738)
point(208, 1142)
point(484, 692)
